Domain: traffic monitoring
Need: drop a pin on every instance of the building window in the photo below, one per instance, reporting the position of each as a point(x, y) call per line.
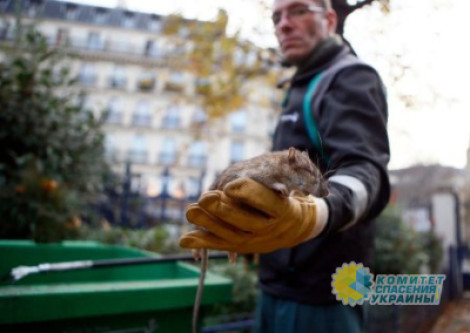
point(35, 8)
point(203, 85)
point(175, 82)
point(118, 78)
point(152, 49)
point(199, 116)
point(101, 16)
point(114, 112)
point(87, 74)
point(167, 47)
point(168, 152)
point(94, 41)
point(142, 116)
point(119, 45)
point(85, 103)
point(193, 187)
point(129, 21)
point(3, 4)
point(155, 24)
point(112, 152)
point(146, 82)
point(71, 11)
point(237, 151)
point(238, 122)
point(172, 118)
point(138, 151)
point(5, 29)
point(62, 37)
point(197, 156)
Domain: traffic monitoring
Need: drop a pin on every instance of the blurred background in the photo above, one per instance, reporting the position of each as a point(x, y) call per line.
point(115, 115)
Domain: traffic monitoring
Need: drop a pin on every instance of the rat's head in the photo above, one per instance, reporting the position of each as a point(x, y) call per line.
point(306, 177)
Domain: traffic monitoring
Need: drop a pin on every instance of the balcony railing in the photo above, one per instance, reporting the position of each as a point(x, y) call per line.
point(137, 156)
point(142, 120)
point(167, 158)
point(124, 48)
point(107, 47)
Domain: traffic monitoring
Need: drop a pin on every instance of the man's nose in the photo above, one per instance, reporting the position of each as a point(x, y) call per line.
point(284, 22)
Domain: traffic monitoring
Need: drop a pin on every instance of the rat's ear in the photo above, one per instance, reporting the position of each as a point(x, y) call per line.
point(291, 157)
point(305, 152)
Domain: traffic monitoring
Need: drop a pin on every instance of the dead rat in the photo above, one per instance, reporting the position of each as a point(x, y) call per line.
point(283, 171)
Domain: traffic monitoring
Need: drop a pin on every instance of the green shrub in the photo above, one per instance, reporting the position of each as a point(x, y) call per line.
point(52, 163)
point(401, 250)
point(156, 239)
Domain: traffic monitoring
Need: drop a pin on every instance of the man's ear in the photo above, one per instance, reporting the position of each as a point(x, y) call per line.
point(332, 21)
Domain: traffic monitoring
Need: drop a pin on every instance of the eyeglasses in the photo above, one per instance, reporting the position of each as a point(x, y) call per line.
point(296, 12)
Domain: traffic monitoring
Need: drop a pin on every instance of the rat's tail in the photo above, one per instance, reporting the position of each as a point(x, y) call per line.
point(197, 302)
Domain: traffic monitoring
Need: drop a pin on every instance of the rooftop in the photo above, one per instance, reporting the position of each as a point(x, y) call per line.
point(81, 13)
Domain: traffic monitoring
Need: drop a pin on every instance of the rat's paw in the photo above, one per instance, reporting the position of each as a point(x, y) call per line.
point(196, 254)
point(281, 189)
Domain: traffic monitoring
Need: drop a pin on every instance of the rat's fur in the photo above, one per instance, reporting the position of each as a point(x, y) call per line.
point(283, 171)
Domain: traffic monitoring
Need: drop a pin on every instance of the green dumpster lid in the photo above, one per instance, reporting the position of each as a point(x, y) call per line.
point(107, 291)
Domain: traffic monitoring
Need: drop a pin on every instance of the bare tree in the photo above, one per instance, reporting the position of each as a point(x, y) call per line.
point(346, 7)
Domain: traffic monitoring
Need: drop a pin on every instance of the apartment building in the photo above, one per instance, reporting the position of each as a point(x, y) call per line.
point(153, 107)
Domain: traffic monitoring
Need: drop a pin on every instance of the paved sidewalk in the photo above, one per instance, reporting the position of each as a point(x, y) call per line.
point(455, 318)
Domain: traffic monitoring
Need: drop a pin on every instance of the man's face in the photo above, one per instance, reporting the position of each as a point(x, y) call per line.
point(299, 26)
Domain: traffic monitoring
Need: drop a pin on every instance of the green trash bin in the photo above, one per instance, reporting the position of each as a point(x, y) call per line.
point(140, 298)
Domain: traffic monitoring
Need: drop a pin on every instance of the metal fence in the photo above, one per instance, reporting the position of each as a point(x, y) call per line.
point(125, 207)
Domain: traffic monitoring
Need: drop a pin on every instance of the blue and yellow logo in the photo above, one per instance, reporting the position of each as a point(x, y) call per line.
point(352, 283)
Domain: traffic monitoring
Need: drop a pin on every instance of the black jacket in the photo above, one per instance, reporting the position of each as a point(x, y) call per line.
point(351, 116)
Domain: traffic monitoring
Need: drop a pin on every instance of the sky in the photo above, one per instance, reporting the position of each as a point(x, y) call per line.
point(426, 36)
point(429, 35)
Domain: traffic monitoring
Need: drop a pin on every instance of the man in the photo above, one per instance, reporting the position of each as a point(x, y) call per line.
point(336, 109)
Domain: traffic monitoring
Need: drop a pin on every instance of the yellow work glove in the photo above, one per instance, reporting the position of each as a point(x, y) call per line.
point(248, 217)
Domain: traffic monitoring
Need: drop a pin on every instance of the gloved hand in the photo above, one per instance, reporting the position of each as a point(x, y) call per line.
point(248, 217)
